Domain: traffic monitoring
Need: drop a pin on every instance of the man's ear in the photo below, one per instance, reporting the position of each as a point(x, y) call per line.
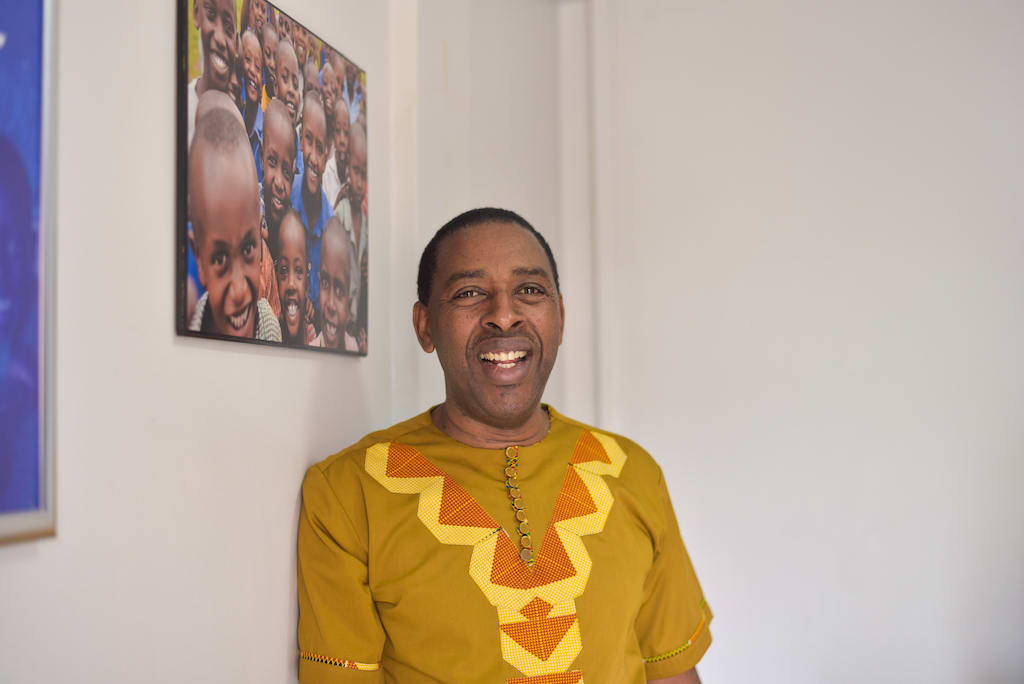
point(421, 324)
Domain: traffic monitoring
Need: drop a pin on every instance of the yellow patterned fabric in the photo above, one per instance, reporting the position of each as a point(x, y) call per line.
point(404, 560)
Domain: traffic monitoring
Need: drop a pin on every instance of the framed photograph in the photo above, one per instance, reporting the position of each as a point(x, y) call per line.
point(272, 226)
point(26, 276)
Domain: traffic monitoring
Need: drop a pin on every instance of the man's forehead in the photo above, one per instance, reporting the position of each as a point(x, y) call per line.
point(490, 249)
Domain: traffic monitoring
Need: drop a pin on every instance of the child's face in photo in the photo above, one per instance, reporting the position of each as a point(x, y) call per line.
point(357, 166)
point(252, 61)
point(225, 215)
point(284, 26)
point(340, 132)
point(335, 295)
point(288, 79)
point(313, 49)
point(329, 93)
point(310, 78)
point(215, 21)
point(314, 145)
point(235, 84)
point(292, 273)
point(259, 16)
point(278, 164)
point(270, 58)
point(299, 35)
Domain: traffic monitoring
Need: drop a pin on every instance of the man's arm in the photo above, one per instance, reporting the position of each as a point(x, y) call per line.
point(688, 677)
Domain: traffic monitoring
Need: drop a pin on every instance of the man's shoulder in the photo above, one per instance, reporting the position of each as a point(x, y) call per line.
point(637, 457)
point(355, 453)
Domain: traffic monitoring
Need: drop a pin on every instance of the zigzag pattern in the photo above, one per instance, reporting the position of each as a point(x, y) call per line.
point(543, 645)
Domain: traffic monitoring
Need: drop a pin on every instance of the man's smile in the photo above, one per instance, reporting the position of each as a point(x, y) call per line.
point(503, 359)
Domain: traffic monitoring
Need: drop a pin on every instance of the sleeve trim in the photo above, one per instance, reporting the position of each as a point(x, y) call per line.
point(347, 664)
point(689, 642)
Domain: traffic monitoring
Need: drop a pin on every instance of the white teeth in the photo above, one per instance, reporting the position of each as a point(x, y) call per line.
point(498, 357)
point(293, 310)
point(238, 321)
point(330, 328)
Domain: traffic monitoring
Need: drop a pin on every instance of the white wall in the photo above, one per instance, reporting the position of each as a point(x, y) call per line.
point(178, 460)
point(487, 125)
point(811, 307)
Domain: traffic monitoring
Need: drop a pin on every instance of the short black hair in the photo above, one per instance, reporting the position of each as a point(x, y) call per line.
point(468, 219)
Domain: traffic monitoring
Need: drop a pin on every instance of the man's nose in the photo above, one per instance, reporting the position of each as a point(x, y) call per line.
point(503, 313)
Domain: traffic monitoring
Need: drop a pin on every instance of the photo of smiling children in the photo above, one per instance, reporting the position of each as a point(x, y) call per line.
point(272, 189)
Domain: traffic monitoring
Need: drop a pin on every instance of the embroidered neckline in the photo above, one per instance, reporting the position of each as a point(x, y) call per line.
point(548, 641)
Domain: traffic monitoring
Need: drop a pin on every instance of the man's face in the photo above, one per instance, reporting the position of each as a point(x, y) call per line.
point(278, 167)
point(215, 21)
point(225, 214)
point(288, 79)
point(340, 135)
point(314, 146)
point(253, 66)
point(335, 291)
point(259, 16)
point(270, 59)
point(495, 319)
point(292, 274)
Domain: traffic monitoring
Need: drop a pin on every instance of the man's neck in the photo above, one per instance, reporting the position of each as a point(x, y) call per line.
point(465, 429)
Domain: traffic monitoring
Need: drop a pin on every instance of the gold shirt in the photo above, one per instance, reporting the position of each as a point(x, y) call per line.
point(406, 572)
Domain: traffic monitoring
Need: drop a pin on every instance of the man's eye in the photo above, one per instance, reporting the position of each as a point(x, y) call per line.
point(248, 248)
point(467, 294)
point(531, 290)
point(219, 258)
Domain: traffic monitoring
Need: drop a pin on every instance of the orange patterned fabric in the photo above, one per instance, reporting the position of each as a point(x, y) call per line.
point(404, 461)
point(459, 508)
point(587, 449)
point(574, 500)
point(536, 609)
point(541, 635)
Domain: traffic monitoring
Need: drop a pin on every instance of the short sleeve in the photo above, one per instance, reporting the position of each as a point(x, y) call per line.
point(340, 633)
point(672, 625)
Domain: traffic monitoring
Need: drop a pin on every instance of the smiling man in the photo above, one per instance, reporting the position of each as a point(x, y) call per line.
point(491, 539)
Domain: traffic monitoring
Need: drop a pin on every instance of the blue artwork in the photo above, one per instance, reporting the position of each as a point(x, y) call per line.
point(21, 72)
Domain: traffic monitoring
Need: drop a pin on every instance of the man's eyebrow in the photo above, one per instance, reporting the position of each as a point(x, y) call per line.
point(464, 275)
point(531, 271)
